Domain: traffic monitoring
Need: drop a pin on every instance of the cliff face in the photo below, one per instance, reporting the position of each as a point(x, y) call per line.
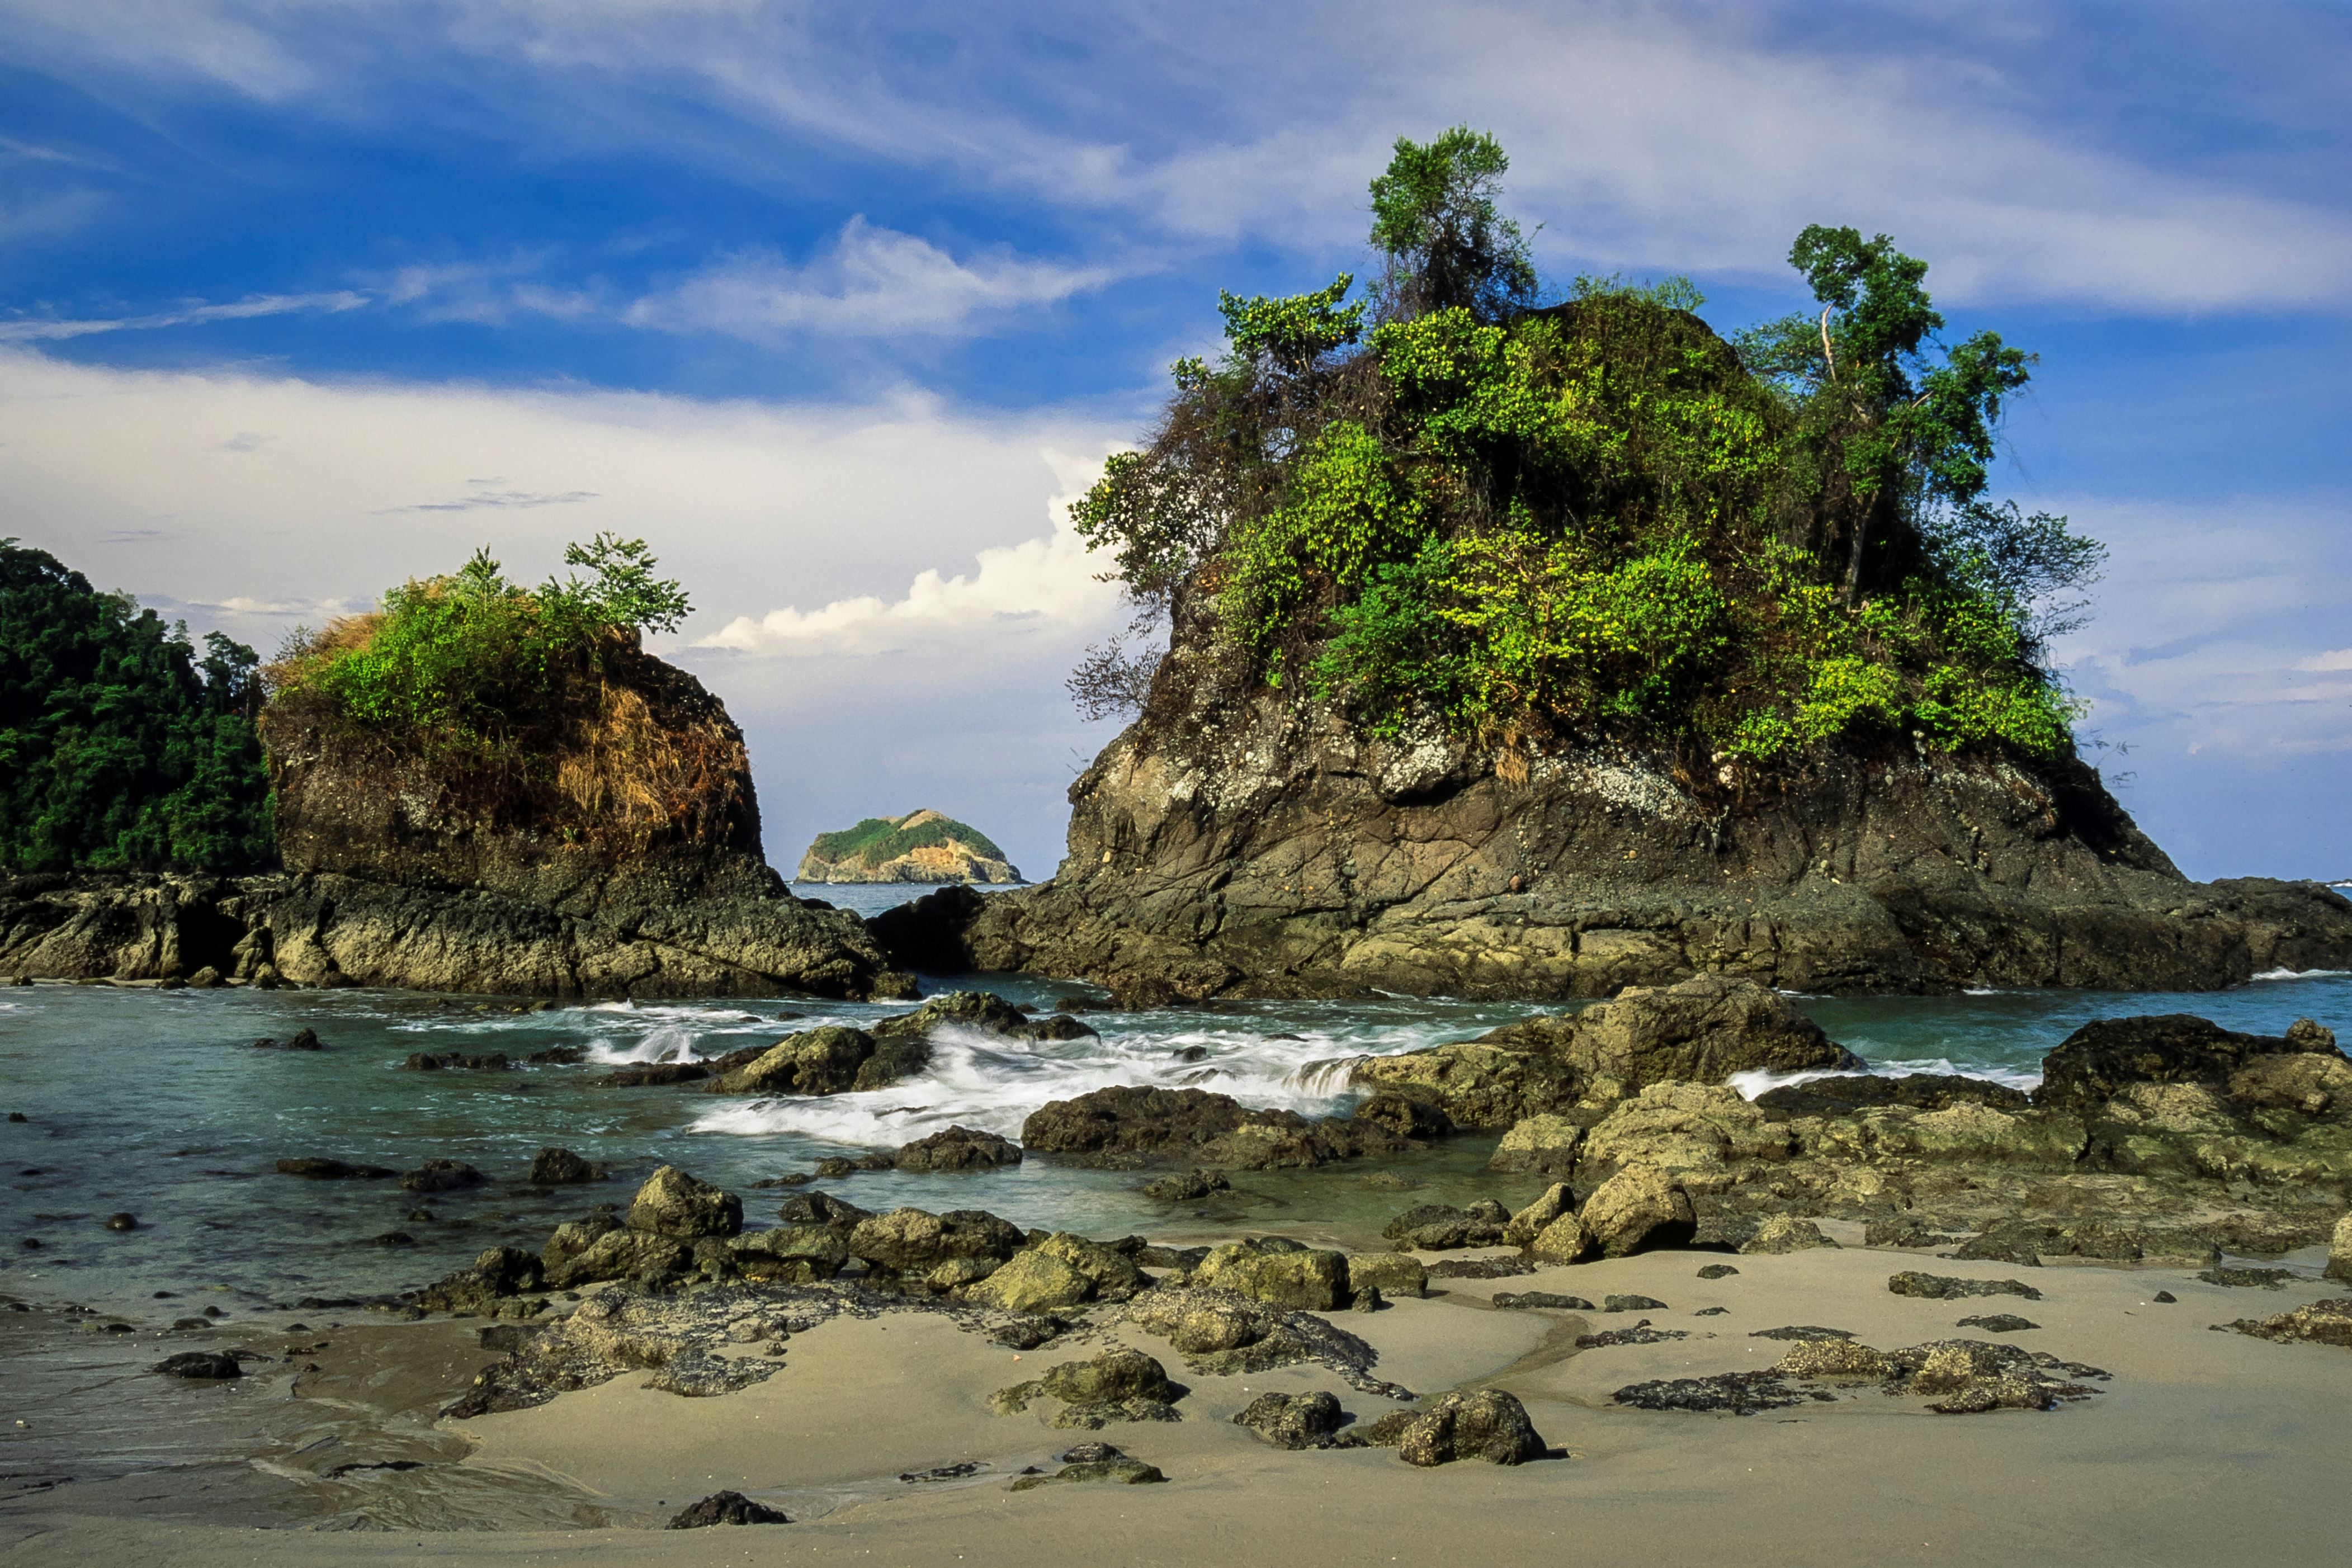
point(1276, 853)
point(628, 863)
point(648, 802)
point(921, 846)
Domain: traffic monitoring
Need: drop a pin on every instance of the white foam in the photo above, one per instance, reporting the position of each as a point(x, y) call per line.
point(1759, 1081)
point(988, 1083)
point(2299, 974)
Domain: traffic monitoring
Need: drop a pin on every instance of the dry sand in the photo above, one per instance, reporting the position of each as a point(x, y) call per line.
point(2205, 1447)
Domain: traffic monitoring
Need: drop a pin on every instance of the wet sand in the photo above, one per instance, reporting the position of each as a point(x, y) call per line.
point(2204, 1446)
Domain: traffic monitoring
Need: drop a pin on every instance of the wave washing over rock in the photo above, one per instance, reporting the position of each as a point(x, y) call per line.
point(1266, 850)
point(397, 874)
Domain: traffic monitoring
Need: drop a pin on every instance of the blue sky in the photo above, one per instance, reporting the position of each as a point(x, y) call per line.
point(837, 305)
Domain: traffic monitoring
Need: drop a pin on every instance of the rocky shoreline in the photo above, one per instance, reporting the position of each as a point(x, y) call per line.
point(323, 929)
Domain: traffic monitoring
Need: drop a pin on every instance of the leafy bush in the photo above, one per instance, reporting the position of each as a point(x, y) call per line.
point(120, 747)
point(1597, 517)
point(471, 662)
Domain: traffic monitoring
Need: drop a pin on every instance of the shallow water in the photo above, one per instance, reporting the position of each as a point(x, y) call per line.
point(156, 1103)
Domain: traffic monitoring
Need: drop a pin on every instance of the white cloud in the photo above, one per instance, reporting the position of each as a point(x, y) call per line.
point(1690, 135)
point(140, 481)
point(873, 282)
point(39, 329)
point(1051, 580)
point(2205, 638)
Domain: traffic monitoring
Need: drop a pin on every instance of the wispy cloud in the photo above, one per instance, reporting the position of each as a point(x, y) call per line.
point(872, 283)
point(497, 500)
point(39, 329)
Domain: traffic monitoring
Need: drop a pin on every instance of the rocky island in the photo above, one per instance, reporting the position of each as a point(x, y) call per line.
point(479, 788)
point(1526, 650)
point(920, 847)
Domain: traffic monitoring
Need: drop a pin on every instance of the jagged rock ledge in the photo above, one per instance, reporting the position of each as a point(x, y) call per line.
point(325, 929)
point(1277, 853)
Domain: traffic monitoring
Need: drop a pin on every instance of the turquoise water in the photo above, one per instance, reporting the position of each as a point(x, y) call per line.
point(156, 1103)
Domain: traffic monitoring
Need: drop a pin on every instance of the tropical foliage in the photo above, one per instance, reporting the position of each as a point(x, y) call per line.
point(122, 746)
point(1451, 502)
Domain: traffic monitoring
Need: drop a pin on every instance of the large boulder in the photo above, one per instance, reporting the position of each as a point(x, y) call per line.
point(2108, 1055)
point(1063, 1271)
point(1686, 1126)
point(1486, 1424)
point(1701, 1030)
point(822, 1060)
point(2339, 1251)
point(1638, 1208)
point(959, 1149)
point(674, 1204)
point(1538, 1144)
point(1286, 1275)
point(794, 1253)
point(1125, 1123)
point(1252, 841)
point(961, 1247)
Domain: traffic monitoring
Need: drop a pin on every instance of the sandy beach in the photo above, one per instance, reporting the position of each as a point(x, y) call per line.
point(2201, 1446)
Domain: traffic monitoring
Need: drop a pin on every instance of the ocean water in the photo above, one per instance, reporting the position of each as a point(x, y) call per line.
point(156, 1103)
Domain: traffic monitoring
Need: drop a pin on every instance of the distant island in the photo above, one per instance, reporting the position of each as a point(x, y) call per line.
point(921, 846)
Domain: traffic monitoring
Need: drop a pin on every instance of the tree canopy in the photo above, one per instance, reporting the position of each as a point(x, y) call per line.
point(1532, 522)
point(122, 747)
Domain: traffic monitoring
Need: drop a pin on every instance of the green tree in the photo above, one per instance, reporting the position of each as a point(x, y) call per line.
point(121, 749)
point(1438, 221)
point(1906, 427)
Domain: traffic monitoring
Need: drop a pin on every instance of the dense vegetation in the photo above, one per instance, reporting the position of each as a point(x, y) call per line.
point(1447, 501)
point(880, 839)
point(504, 690)
point(122, 747)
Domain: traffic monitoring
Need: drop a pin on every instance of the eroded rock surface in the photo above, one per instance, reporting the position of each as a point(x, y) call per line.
point(1226, 846)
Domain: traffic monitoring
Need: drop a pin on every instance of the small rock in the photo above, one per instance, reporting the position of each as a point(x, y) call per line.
point(122, 1221)
point(1717, 1271)
point(1782, 1233)
point(1944, 1287)
point(725, 1508)
point(305, 1040)
point(1544, 1300)
point(205, 1366)
point(1293, 1420)
point(1633, 1304)
point(333, 1170)
point(562, 1168)
point(1190, 1187)
point(1367, 1299)
point(1997, 1323)
point(442, 1176)
point(2166, 1297)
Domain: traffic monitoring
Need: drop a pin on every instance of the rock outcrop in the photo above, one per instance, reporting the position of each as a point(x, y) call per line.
point(2152, 1139)
point(400, 873)
point(1701, 1030)
point(920, 847)
point(1267, 849)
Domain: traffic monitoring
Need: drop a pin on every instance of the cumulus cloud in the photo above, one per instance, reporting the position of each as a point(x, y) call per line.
point(939, 524)
point(1051, 581)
